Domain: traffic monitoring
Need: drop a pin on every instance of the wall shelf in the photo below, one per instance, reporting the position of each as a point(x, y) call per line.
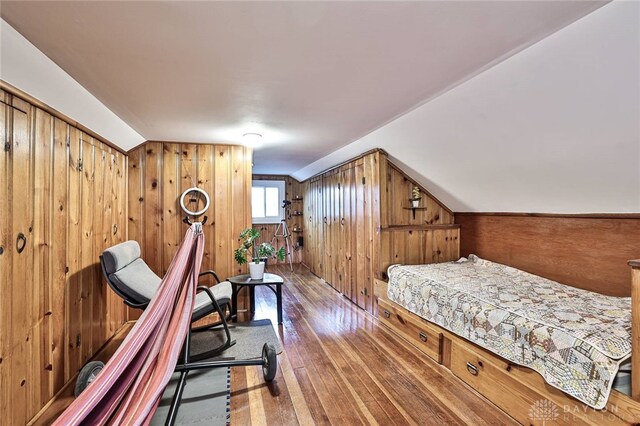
point(414, 209)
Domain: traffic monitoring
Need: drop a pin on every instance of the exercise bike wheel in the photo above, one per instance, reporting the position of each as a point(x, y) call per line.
point(269, 362)
point(87, 375)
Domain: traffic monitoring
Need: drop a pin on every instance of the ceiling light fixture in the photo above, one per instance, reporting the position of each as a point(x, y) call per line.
point(253, 140)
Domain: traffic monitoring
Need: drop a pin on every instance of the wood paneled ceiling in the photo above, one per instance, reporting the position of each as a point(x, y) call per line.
point(310, 76)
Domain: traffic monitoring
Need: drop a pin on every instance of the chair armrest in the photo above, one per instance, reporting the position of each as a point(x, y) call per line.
point(135, 305)
point(210, 272)
point(214, 302)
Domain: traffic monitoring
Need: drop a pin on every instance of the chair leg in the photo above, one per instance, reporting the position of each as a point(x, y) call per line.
point(223, 308)
point(226, 345)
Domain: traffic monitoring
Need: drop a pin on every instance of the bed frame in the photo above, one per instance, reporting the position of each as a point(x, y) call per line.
point(528, 398)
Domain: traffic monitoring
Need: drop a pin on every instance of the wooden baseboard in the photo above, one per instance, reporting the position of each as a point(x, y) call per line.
point(64, 397)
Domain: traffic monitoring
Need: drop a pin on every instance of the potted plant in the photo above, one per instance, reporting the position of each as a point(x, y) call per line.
point(415, 196)
point(258, 253)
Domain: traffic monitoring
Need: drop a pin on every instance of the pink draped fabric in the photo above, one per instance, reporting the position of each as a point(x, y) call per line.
point(129, 388)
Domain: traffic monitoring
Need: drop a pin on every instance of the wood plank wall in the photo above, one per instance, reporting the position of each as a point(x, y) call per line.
point(398, 192)
point(356, 226)
point(429, 237)
point(158, 174)
point(65, 191)
point(293, 193)
point(342, 215)
point(584, 252)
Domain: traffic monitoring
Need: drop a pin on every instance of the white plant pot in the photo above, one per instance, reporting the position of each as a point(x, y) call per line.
point(415, 203)
point(256, 270)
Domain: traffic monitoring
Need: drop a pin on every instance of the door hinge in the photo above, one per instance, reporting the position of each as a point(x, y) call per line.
point(68, 140)
point(363, 180)
point(364, 291)
point(7, 147)
point(79, 165)
point(78, 341)
point(338, 185)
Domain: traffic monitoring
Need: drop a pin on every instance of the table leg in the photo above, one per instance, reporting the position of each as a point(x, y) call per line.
point(279, 301)
point(234, 303)
point(252, 295)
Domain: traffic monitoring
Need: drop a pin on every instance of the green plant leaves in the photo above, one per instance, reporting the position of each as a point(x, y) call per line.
point(248, 246)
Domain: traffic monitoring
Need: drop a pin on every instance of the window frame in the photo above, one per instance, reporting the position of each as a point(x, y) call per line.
point(280, 185)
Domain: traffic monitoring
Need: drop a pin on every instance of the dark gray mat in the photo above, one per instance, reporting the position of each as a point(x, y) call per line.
point(205, 400)
point(249, 337)
point(206, 397)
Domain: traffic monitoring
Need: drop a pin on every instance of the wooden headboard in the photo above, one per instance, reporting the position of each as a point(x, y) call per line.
point(584, 251)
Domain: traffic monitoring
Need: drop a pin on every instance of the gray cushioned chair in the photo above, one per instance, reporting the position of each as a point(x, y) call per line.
point(130, 278)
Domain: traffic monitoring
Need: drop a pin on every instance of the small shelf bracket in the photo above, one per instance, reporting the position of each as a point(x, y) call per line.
point(414, 210)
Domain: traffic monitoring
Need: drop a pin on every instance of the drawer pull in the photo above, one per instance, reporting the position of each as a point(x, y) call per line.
point(387, 314)
point(423, 336)
point(472, 369)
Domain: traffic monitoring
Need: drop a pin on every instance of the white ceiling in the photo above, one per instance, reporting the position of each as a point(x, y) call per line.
point(310, 76)
point(23, 66)
point(553, 129)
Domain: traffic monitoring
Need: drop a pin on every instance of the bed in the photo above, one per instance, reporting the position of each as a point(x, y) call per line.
point(576, 339)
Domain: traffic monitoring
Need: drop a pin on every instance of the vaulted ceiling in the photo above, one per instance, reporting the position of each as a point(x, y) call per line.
point(493, 105)
point(310, 76)
point(553, 129)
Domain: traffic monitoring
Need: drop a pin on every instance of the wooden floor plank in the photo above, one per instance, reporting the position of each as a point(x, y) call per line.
point(339, 366)
point(240, 396)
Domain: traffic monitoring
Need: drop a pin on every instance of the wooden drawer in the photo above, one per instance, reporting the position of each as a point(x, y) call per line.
point(416, 330)
point(481, 374)
point(510, 387)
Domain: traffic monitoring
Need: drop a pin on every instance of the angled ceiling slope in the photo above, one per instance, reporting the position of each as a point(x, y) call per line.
point(25, 67)
point(310, 76)
point(553, 129)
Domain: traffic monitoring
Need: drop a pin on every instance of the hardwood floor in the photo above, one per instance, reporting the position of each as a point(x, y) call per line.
point(340, 366)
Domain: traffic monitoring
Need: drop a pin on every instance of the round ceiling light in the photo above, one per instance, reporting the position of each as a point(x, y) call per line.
point(254, 140)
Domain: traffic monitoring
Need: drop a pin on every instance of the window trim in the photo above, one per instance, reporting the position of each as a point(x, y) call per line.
point(280, 184)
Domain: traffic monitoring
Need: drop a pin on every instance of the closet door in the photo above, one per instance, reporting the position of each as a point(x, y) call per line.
point(335, 231)
point(339, 237)
point(5, 253)
point(327, 242)
point(308, 217)
point(359, 241)
point(371, 222)
point(309, 234)
point(346, 180)
point(73, 291)
point(316, 249)
point(89, 198)
point(18, 293)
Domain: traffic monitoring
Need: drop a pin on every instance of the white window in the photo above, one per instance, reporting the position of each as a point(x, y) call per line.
point(266, 201)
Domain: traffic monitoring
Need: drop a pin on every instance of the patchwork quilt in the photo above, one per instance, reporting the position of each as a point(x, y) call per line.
point(574, 338)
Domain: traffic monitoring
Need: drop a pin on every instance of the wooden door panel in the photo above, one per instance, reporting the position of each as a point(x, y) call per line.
point(21, 195)
point(360, 236)
point(319, 229)
point(6, 248)
point(346, 222)
point(327, 240)
point(86, 246)
point(340, 259)
point(73, 291)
